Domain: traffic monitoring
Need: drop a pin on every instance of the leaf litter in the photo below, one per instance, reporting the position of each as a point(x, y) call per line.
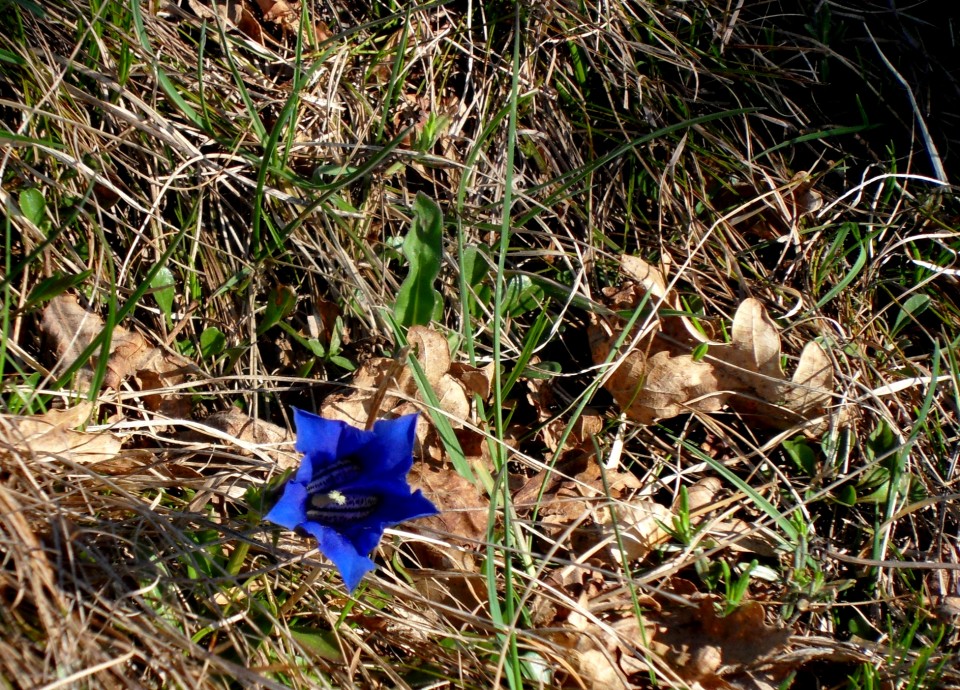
point(659, 377)
point(597, 517)
point(54, 435)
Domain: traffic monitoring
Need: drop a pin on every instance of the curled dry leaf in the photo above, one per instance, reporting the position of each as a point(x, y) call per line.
point(453, 578)
point(697, 643)
point(659, 378)
point(53, 435)
point(273, 441)
point(72, 328)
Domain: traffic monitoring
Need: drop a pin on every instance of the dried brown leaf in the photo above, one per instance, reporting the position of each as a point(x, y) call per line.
point(581, 432)
point(452, 396)
point(462, 522)
point(229, 11)
point(812, 382)
point(476, 380)
point(739, 535)
point(697, 642)
point(754, 346)
point(432, 352)
point(640, 527)
point(276, 441)
point(664, 386)
point(463, 509)
point(52, 435)
point(280, 12)
point(649, 278)
point(598, 670)
point(701, 494)
point(356, 407)
point(659, 379)
point(72, 328)
point(384, 387)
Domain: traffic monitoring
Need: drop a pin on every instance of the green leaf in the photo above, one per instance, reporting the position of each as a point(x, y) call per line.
point(881, 442)
point(847, 495)
point(522, 295)
point(212, 342)
point(12, 58)
point(802, 454)
point(475, 265)
point(57, 284)
point(33, 205)
point(912, 307)
point(475, 269)
point(280, 303)
point(163, 292)
point(332, 170)
point(319, 643)
point(317, 348)
point(343, 363)
point(417, 298)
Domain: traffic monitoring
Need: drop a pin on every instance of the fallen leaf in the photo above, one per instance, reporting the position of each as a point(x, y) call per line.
point(639, 524)
point(659, 378)
point(775, 214)
point(454, 579)
point(387, 387)
point(52, 435)
point(754, 347)
point(432, 351)
point(662, 386)
point(476, 380)
point(272, 440)
point(72, 328)
point(286, 14)
point(598, 670)
point(701, 494)
point(463, 509)
point(812, 382)
point(356, 407)
point(697, 643)
point(235, 14)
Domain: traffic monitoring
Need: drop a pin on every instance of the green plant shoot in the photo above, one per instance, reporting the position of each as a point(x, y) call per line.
point(418, 299)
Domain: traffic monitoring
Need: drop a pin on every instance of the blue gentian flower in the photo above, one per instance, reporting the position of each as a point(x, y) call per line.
point(351, 485)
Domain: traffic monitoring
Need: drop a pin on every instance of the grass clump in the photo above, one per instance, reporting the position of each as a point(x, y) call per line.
point(217, 211)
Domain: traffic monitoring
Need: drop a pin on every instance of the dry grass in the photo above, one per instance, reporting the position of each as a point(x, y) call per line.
point(764, 150)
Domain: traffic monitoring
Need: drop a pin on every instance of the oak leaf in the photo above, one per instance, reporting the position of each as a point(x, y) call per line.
point(659, 377)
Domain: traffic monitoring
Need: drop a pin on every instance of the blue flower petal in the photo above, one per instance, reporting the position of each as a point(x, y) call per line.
point(343, 470)
point(316, 435)
point(366, 534)
point(391, 449)
point(405, 508)
point(352, 564)
point(290, 510)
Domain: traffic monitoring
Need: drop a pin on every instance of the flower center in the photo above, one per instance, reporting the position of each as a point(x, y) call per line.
point(335, 507)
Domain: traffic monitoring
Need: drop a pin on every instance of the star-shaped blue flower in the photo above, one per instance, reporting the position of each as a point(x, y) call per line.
point(351, 485)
